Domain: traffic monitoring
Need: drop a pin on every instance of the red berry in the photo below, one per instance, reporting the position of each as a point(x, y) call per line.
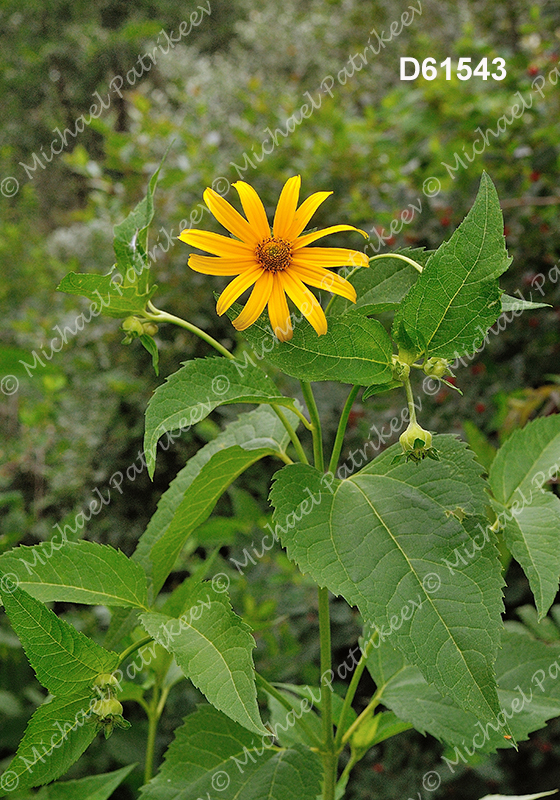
point(452, 380)
point(441, 396)
point(480, 408)
point(507, 230)
point(478, 369)
point(533, 322)
point(532, 70)
point(390, 241)
point(379, 768)
point(534, 176)
point(445, 221)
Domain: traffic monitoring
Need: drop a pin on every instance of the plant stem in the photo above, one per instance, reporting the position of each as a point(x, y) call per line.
point(409, 399)
point(133, 648)
point(291, 433)
point(153, 719)
point(164, 316)
point(415, 264)
point(337, 447)
point(318, 458)
point(273, 692)
point(330, 759)
point(360, 666)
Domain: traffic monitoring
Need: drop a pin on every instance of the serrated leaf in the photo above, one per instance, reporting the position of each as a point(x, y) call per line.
point(131, 238)
point(200, 386)
point(65, 661)
point(57, 734)
point(520, 665)
point(532, 536)
point(109, 297)
point(457, 294)
point(384, 285)
point(195, 490)
point(534, 449)
point(78, 572)
point(213, 647)
point(211, 753)
point(353, 350)
point(96, 787)
point(519, 304)
point(380, 539)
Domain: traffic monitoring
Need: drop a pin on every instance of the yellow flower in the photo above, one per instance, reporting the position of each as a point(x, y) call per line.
point(279, 264)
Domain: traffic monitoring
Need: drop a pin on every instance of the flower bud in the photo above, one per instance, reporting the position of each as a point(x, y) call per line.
point(365, 734)
point(150, 328)
point(436, 367)
point(132, 325)
point(415, 437)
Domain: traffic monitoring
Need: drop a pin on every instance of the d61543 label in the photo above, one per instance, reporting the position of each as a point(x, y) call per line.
point(464, 71)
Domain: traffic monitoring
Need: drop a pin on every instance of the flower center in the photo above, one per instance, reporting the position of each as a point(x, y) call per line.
point(274, 254)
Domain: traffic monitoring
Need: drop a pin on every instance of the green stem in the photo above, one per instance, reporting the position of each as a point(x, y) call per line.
point(153, 719)
point(273, 692)
point(163, 316)
point(415, 264)
point(330, 759)
point(291, 433)
point(347, 769)
point(409, 399)
point(337, 447)
point(318, 458)
point(351, 692)
point(133, 648)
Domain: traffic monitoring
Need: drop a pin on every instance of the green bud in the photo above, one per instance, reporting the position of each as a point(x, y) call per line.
point(364, 736)
point(436, 367)
point(150, 328)
point(132, 325)
point(107, 709)
point(401, 370)
point(414, 437)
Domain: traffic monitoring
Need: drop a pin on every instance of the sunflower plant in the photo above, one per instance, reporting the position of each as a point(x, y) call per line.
point(416, 540)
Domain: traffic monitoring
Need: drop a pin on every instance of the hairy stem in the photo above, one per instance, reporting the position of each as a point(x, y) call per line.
point(318, 458)
point(330, 759)
point(337, 447)
point(158, 316)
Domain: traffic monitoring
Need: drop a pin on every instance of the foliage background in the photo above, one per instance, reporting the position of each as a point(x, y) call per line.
point(247, 67)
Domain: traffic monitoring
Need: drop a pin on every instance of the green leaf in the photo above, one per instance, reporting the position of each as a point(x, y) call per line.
point(353, 350)
point(191, 393)
point(212, 754)
point(213, 647)
point(380, 539)
point(519, 304)
point(533, 538)
point(66, 661)
point(149, 344)
point(107, 296)
point(384, 285)
point(282, 721)
point(457, 296)
point(77, 572)
point(528, 689)
point(193, 493)
point(519, 796)
point(131, 238)
point(56, 736)
point(97, 787)
point(527, 459)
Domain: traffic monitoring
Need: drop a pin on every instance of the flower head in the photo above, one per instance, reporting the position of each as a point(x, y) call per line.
point(275, 263)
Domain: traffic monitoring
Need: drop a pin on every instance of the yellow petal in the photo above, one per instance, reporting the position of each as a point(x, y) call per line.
point(331, 257)
point(213, 265)
point(236, 288)
point(253, 208)
point(305, 212)
point(278, 311)
point(312, 237)
point(217, 244)
point(286, 208)
point(256, 302)
point(306, 302)
point(230, 218)
point(325, 280)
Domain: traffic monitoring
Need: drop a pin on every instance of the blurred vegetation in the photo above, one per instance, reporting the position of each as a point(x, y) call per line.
point(217, 94)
